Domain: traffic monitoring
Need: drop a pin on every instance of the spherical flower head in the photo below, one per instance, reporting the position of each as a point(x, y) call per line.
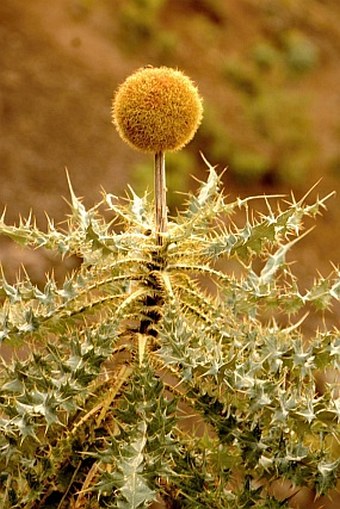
point(157, 109)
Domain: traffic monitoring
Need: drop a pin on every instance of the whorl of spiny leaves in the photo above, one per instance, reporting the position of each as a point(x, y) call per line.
point(94, 410)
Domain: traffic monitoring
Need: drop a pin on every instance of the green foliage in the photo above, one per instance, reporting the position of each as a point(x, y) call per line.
point(276, 117)
point(109, 367)
point(249, 165)
point(301, 53)
point(139, 22)
point(241, 75)
point(280, 118)
point(265, 55)
point(214, 134)
point(139, 17)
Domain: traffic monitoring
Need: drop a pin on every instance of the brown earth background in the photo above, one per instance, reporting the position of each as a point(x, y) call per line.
point(269, 74)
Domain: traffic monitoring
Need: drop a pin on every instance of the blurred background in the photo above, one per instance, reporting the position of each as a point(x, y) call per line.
point(268, 72)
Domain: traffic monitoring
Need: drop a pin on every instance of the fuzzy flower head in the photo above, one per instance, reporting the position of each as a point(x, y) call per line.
point(157, 109)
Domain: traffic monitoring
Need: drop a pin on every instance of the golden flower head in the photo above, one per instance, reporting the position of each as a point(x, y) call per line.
point(157, 109)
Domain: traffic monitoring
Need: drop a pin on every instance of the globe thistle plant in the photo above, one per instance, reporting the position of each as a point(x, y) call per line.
point(129, 384)
point(157, 110)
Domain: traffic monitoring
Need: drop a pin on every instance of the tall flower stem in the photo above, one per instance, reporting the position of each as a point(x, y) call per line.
point(160, 197)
